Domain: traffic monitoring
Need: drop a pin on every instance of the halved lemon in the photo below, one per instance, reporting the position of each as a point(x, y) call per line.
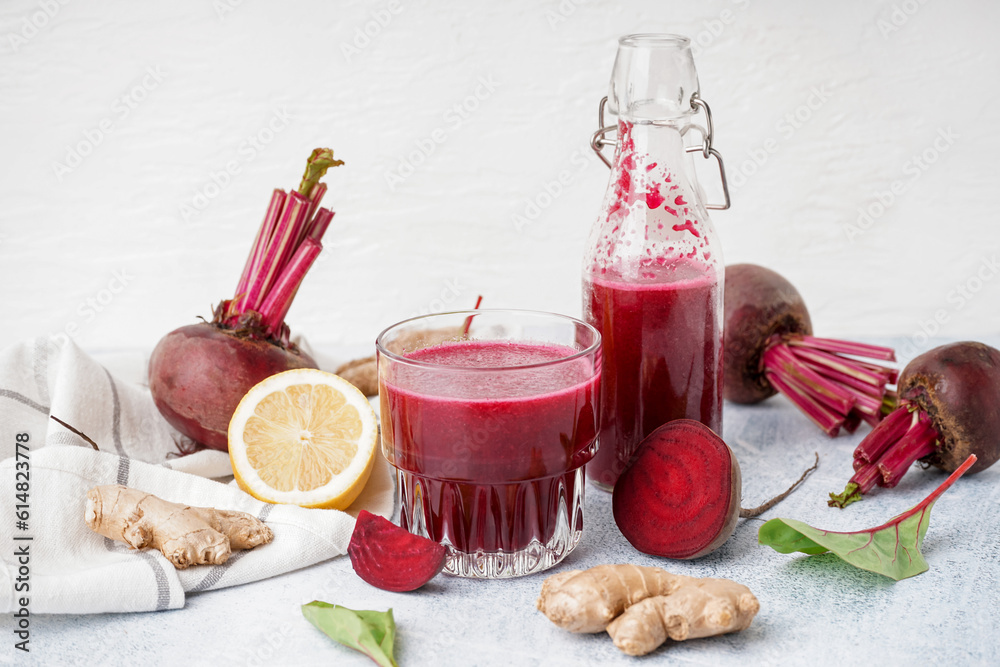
point(303, 437)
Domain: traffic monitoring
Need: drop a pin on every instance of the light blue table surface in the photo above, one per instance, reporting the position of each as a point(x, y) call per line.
point(814, 610)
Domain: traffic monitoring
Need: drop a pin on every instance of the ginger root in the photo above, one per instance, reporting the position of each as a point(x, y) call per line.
point(362, 373)
point(588, 600)
point(185, 535)
point(640, 607)
point(705, 608)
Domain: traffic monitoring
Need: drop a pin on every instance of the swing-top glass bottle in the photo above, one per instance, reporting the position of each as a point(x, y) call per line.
point(653, 271)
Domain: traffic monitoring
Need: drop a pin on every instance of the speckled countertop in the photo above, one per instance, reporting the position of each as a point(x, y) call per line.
point(814, 610)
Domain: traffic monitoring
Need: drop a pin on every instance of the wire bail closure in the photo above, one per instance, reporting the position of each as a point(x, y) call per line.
point(599, 140)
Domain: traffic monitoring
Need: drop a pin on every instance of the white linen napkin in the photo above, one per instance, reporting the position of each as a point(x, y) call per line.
point(70, 568)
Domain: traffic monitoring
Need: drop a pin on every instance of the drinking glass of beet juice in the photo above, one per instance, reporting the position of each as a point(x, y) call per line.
point(489, 417)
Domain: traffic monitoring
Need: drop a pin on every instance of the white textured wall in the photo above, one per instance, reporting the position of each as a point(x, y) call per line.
point(885, 80)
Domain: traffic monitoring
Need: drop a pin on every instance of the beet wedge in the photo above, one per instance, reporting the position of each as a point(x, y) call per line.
point(392, 558)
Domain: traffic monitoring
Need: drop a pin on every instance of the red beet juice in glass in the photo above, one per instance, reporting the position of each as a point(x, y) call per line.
point(661, 357)
point(487, 457)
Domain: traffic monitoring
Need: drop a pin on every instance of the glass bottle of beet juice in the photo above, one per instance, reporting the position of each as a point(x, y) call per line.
point(653, 270)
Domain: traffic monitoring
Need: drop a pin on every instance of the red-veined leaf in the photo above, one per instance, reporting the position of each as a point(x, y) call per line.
point(892, 549)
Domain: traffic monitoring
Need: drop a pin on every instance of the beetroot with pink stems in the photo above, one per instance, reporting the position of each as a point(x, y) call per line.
point(199, 373)
point(949, 408)
point(769, 348)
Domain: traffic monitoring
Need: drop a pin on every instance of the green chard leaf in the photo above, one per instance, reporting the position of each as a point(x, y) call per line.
point(892, 549)
point(370, 632)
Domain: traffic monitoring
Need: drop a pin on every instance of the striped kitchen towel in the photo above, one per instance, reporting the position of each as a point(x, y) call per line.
point(56, 562)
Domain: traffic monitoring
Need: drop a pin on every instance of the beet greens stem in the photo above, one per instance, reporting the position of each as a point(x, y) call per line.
point(822, 377)
point(932, 498)
point(821, 416)
point(880, 439)
point(884, 456)
point(281, 244)
point(841, 365)
point(259, 249)
point(846, 347)
point(780, 358)
point(287, 243)
point(860, 386)
point(915, 444)
point(279, 299)
point(319, 224)
point(315, 197)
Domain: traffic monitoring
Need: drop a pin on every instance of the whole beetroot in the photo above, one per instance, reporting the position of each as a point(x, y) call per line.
point(199, 373)
point(769, 348)
point(759, 304)
point(949, 408)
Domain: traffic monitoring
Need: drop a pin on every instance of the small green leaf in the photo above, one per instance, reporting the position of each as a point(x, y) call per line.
point(317, 165)
point(785, 539)
point(892, 549)
point(370, 632)
point(883, 551)
point(383, 628)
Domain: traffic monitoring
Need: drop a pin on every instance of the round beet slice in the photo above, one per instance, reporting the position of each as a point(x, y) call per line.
point(680, 496)
point(392, 558)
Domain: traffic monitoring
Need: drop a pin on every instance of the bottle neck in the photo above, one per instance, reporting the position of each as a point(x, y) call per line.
point(653, 77)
